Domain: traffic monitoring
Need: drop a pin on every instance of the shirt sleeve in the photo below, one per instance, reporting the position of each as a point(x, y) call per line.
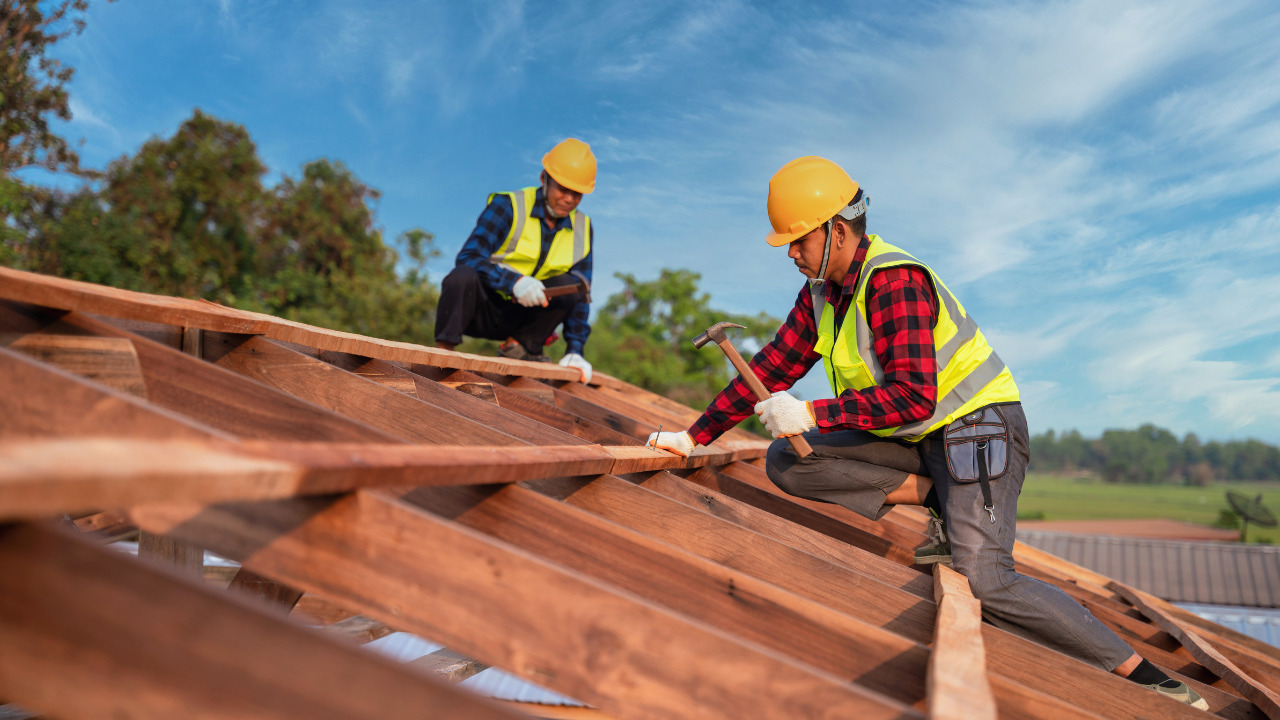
point(577, 327)
point(901, 308)
point(779, 365)
point(491, 230)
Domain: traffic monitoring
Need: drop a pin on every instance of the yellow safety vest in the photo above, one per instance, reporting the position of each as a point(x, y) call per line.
point(970, 374)
point(523, 244)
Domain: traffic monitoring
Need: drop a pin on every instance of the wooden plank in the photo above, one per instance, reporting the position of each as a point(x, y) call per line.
point(737, 603)
point(1262, 696)
point(734, 439)
point(180, 556)
point(901, 537)
point(66, 294)
point(479, 390)
point(38, 400)
point(425, 388)
point(347, 394)
point(45, 477)
point(1109, 696)
point(797, 536)
point(484, 598)
point(89, 633)
point(219, 398)
point(1015, 700)
point(106, 361)
point(448, 665)
point(958, 687)
point(106, 527)
point(791, 509)
point(393, 351)
point(264, 590)
point(835, 586)
point(585, 409)
point(534, 406)
point(359, 629)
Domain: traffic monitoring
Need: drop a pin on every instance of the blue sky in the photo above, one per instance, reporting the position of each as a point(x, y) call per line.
point(1098, 182)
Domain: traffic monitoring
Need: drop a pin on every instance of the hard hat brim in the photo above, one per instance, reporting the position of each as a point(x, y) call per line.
point(577, 187)
point(780, 239)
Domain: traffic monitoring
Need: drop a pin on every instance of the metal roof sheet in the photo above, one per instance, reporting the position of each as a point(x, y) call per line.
point(1179, 571)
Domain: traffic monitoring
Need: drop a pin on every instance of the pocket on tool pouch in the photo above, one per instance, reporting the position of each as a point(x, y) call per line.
point(978, 444)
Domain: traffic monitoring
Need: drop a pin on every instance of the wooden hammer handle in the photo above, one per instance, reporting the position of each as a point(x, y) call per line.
point(558, 290)
point(798, 443)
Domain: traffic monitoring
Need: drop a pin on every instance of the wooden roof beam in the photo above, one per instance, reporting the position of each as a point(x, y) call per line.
point(489, 600)
point(836, 586)
point(1262, 696)
point(958, 687)
point(42, 477)
point(736, 603)
point(349, 395)
point(90, 633)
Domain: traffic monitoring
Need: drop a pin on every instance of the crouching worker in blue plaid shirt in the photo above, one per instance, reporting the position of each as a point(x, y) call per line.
point(525, 242)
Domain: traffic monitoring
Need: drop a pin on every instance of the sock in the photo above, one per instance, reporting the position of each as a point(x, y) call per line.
point(1148, 674)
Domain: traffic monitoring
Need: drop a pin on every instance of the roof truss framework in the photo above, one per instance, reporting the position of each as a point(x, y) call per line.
point(496, 506)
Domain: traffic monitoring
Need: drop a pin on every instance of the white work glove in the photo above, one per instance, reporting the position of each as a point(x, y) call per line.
point(785, 416)
point(680, 443)
point(529, 291)
point(574, 360)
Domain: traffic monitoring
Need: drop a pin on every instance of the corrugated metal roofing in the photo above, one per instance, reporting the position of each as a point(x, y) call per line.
point(1178, 571)
point(492, 682)
point(1260, 623)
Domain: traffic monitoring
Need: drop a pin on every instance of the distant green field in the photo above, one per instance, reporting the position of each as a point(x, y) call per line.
point(1088, 498)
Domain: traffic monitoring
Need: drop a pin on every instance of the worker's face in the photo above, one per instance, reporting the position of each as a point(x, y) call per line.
point(806, 252)
point(560, 199)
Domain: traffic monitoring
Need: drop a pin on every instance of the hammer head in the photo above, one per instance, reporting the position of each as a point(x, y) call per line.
point(586, 285)
point(715, 333)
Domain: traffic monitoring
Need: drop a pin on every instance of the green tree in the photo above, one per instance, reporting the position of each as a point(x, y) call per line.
point(32, 92)
point(189, 216)
point(32, 85)
point(643, 335)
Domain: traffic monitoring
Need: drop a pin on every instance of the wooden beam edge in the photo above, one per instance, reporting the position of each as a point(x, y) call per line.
point(1208, 656)
point(957, 682)
point(41, 477)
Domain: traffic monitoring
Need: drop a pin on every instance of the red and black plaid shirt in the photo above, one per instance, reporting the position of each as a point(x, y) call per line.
point(901, 306)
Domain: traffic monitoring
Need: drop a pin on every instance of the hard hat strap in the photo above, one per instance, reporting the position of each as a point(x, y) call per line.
point(826, 252)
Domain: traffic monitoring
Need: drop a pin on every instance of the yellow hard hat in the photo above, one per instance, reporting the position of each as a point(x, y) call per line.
point(572, 165)
point(804, 194)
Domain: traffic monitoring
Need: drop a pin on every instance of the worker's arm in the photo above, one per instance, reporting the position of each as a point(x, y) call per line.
point(490, 231)
point(779, 365)
point(901, 307)
point(577, 327)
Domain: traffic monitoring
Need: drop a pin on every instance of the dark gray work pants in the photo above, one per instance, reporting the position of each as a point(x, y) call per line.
point(467, 307)
point(857, 469)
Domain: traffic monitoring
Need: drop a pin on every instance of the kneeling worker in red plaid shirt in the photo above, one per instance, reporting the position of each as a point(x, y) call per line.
point(924, 412)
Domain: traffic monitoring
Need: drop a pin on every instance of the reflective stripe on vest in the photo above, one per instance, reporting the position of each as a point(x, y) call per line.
point(970, 374)
point(519, 251)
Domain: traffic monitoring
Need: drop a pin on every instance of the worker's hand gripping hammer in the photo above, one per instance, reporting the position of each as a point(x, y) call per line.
point(716, 333)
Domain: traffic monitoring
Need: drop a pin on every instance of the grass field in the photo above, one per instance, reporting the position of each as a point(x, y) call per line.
point(1088, 498)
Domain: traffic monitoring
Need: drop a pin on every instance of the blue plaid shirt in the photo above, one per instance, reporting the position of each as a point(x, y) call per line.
point(491, 230)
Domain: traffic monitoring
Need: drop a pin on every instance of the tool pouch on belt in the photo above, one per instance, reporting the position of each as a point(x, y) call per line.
point(978, 450)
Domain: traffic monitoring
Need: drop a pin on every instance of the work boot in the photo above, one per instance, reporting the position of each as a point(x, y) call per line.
point(938, 549)
point(515, 351)
point(1180, 692)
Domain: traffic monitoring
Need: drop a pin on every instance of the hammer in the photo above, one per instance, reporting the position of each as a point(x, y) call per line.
point(716, 333)
point(582, 286)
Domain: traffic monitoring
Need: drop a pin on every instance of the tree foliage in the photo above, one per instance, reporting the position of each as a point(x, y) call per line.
point(32, 84)
point(644, 334)
point(1152, 455)
point(189, 216)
